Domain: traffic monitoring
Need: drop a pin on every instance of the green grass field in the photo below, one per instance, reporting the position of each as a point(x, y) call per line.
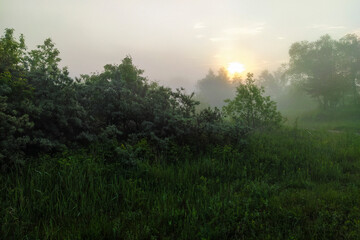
point(284, 184)
point(344, 119)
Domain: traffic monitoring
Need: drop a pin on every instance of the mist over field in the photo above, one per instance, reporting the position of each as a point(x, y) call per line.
point(179, 119)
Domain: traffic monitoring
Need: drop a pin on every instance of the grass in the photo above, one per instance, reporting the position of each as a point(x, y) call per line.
point(345, 119)
point(284, 184)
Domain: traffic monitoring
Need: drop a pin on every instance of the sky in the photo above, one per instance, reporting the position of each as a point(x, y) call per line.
point(177, 42)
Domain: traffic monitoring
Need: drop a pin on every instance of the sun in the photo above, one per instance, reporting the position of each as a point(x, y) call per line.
point(235, 67)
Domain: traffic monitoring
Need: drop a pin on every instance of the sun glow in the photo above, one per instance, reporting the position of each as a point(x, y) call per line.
point(235, 68)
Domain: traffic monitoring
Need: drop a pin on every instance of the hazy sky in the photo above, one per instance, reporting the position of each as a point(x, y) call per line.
point(176, 42)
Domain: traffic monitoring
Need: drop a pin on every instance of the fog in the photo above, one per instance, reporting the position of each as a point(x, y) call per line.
point(177, 42)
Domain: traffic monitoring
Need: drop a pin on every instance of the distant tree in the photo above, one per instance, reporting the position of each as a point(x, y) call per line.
point(349, 63)
point(317, 65)
point(251, 108)
point(214, 89)
point(274, 83)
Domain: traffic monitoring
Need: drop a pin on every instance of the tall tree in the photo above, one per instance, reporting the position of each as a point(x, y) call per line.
point(316, 64)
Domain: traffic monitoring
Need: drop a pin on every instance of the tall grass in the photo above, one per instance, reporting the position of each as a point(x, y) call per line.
point(284, 184)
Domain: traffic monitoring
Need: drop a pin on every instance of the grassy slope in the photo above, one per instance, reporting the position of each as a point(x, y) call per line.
point(287, 184)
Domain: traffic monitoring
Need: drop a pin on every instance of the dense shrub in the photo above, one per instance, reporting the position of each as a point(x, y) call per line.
point(43, 110)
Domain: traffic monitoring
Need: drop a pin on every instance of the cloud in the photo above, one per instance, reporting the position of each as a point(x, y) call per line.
point(326, 27)
point(199, 25)
point(252, 30)
point(199, 36)
point(280, 38)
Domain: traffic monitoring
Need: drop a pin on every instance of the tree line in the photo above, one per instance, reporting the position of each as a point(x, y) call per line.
point(326, 70)
point(44, 110)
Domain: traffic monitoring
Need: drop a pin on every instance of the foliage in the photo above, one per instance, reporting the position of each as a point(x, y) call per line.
point(215, 88)
point(327, 68)
point(57, 114)
point(120, 97)
point(44, 110)
point(251, 108)
point(274, 83)
point(15, 93)
point(12, 53)
point(349, 51)
point(12, 138)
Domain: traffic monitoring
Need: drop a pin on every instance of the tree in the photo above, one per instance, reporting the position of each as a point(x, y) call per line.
point(274, 83)
point(12, 53)
point(122, 98)
point(251, 108)
point(349, 63)
point(57, 115)
point(316, 64)
point(15, 100)
point(214, 89)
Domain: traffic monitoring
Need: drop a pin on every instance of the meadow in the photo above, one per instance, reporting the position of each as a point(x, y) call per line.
point(282, 184)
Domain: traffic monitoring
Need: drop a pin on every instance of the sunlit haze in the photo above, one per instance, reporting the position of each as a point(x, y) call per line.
point(177, 42)
point(235, 68)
